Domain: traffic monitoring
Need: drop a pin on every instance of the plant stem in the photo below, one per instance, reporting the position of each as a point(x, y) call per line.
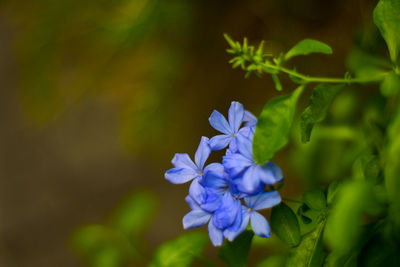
point(308, 79)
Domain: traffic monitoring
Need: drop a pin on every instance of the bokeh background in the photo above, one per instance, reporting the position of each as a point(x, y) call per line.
point(97, 96)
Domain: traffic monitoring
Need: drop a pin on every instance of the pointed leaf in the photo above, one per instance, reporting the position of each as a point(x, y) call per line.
point(387, 19)
point(309, 253)
point(235, 253)
point(308, 46)
point(285, 225)
point(180, 251)
point(320, 100)
point(273, 126)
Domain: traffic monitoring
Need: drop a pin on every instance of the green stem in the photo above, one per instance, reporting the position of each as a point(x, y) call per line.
point(308, 79)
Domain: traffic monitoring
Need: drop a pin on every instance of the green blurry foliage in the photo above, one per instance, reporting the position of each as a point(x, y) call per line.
point(273, 126)
point(322, 96)
point(350, 213)
point(72, 50)
point(235, 253)
point(306, 47)
point(181, 251)
point(120, 242)
point(387, 19)
point(285, 225)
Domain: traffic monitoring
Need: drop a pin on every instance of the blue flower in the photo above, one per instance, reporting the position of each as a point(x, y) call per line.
point(218, 191)
point(236, 116)
point(228, 215)
point(250, 177)
point(185, 169)
point(259, 224)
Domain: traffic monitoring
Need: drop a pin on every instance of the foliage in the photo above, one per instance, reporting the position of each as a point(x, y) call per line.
point(350, 213)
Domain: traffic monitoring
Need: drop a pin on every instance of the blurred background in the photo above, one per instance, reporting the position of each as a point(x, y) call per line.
point(97, 96)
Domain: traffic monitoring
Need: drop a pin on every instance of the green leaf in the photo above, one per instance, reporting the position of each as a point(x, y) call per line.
point(285, 225)
point(101, 246)
point(344, 224)
point(135, 213)
point(320, 100)
point(235, 253)
point(273, 126)
point(308, 46)
point(315, 199)
point(392, 167)
point(333, 190)
point(336, 259)
point(390, 85)
point(309, 253)
point(273, 261)
point(180, 251)
point(387, 19)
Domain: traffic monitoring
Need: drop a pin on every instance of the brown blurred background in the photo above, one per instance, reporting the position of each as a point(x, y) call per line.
point(97, 96)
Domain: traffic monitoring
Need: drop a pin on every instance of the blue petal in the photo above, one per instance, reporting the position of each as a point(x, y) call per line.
point(249, 118)
point(214, 176)
point(264, 200)
point(219, 142)
point(251, 183)
point(270, 173)
point(245, 147)
point(182, 160)
point(235, 164)
point(192, 203)
point(212, 201)
point(231, 235)
point(219, 123)
point(197, 191)
point(233, 147)
point(225, 215)
point(235, 116)
point(195, 218)
point(180, 175)
point(238, 220)
point(247, 132)
point(202, 153)
point(216, 235)
point(259, 224)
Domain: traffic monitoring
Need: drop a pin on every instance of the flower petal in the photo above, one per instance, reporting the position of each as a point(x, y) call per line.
point(245, 146)
point(219, 123)
point(235, 164)
point(219, 142)
point(216, 235)
point(214, 176)
point(251, 183)
point(182, 160)
point(231, 235)
point(270, 173)
point(180, 175)
point(235, 115)
point(249, 118)
point(260, 225)
point(195, 218)
point(225, 215)
point(202, 153)
point(192, 203)
point(238, 220)
point(197, 191)
point(212, 201)
point(263, 200)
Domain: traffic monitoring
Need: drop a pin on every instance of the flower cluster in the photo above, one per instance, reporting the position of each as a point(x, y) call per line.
point(227, 196)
